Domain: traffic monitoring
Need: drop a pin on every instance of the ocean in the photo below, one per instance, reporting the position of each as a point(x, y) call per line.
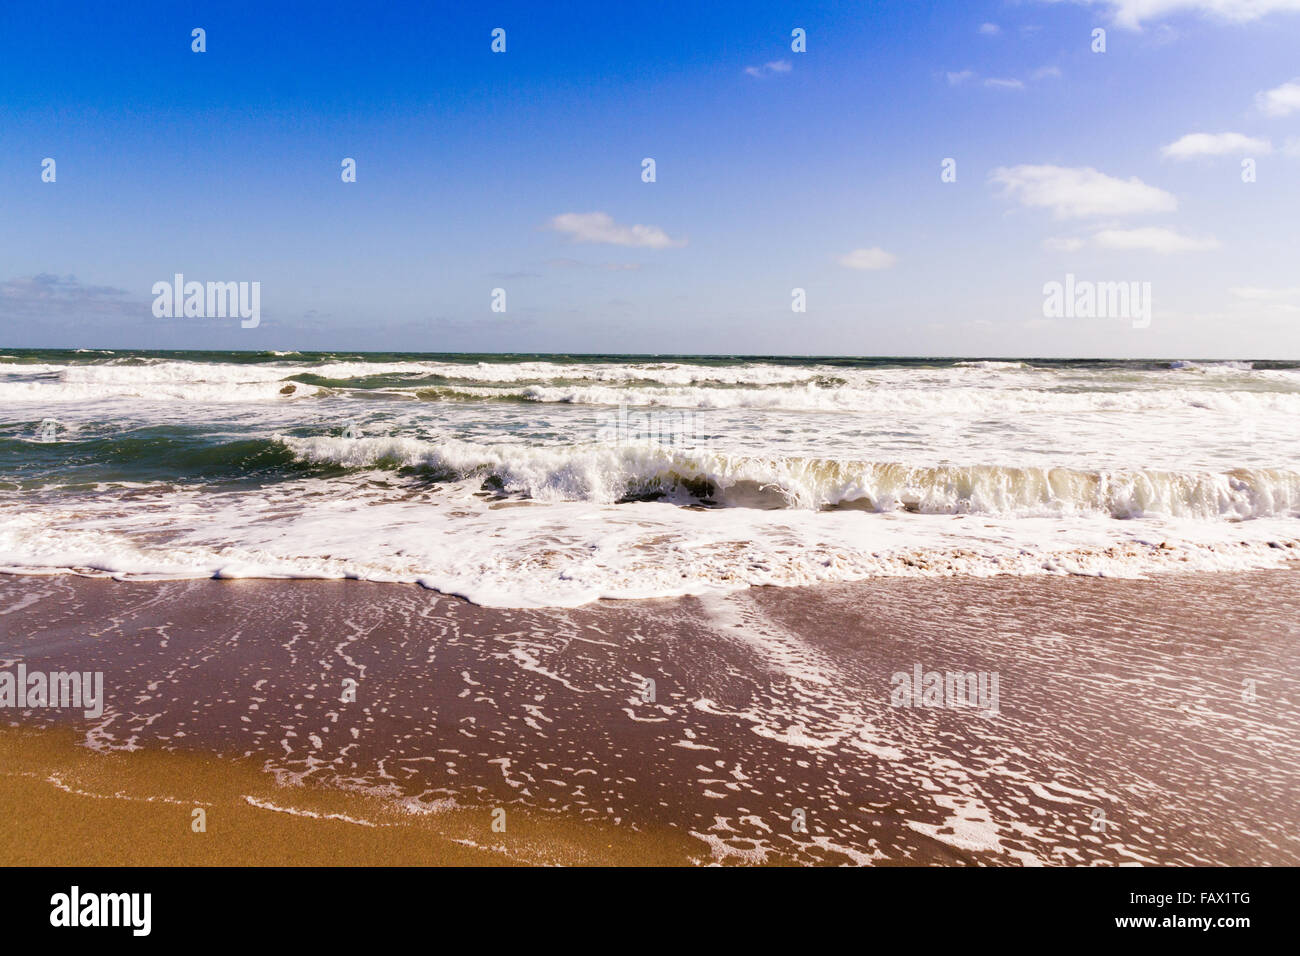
point(556, 480)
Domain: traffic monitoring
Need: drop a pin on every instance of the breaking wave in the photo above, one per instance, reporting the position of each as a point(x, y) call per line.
point(607, 474)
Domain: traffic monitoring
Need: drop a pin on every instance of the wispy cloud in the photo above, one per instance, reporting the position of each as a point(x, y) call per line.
point(873, 258)
point(1215, 144)
point(1281, 100)
point(601, 227)
point(961, 77)
point(1158, 239)
point(775, 67)
point(1153, 239)
point(1281, 302)
point(566, 263)
point(52, 296)
point(1260, 294)
point(989, 29)
point(1079, 192)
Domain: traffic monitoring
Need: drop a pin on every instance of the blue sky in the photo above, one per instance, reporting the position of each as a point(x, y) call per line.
point(775, 170)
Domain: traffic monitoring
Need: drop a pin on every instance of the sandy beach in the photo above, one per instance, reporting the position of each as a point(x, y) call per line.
point(1133, 722)
point(729, 437)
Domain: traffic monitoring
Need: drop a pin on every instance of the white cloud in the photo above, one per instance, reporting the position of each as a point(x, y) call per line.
point(873, 258)
point(957, 79)
point(1080, 192)
point(1152, 239)
point(1046, 72)
point(600, 227)
point(999, 84)
point(1063, 244)
point(1215, 144)
point(1281, 100)
point(768, 69)
point(990, 29)
point(1133, 13)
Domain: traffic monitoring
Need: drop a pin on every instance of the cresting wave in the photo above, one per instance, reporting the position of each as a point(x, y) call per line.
point(609, 474)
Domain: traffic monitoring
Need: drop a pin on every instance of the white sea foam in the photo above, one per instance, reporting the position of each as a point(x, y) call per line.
point(568, 552)
point(49, 393)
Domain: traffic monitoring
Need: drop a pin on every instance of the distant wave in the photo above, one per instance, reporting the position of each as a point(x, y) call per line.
point(966, 386)
point(913, 401)
point(1213, 366)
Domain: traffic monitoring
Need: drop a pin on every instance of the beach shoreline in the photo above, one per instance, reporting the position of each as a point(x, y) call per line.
point(772, 733)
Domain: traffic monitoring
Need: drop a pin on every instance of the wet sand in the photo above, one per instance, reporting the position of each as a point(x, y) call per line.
point(1125, 731)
